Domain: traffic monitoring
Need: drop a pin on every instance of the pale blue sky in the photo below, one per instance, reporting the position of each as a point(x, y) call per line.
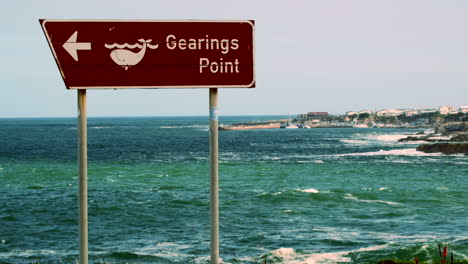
point(313, 55)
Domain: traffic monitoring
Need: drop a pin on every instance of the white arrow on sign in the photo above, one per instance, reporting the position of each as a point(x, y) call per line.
point(72, 46)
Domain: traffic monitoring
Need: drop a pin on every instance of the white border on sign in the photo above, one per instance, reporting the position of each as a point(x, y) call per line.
point(44, 21)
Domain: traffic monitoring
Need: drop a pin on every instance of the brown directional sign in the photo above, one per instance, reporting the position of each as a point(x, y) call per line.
point(116, 54)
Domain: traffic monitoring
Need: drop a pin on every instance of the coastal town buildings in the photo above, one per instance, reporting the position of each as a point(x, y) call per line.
point(463, 109)
point(383, 118)
point(313, 116)
point(445, 110)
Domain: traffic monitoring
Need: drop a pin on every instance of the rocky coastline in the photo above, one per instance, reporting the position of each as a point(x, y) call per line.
point(449, 138)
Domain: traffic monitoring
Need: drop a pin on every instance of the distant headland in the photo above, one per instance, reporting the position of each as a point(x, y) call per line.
point(405, 118)
point(450, 134)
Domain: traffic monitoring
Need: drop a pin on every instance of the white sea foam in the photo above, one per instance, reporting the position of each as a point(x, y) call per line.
point(460, 239)
point(423, 250)
point(371, 189)
point(206, 259)
point(365, 139)
point(351, 197)
point(202, 260)
point(311, 190)
point(336, 257)
point(395, 152)
point(290, 256)
point(325, 258)
point(387, 138)
point(267, 193)
point(440, 138)
point(429, 131)
point(246, 259)
point(164, 254)
point(271, 158)
point(355, 141)
point(284, 253)
point(164, 250)
point(415, 142)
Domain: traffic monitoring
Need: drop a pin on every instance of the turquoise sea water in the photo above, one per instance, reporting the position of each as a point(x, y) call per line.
point(290, 195)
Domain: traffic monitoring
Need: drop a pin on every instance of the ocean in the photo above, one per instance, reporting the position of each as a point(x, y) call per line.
point(294, 196)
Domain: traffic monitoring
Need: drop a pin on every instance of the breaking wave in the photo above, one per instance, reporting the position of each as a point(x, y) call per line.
point(387, 138)
point(397, 152)
point(351, 197)
point(311, 190)
point(290, 256)
point(354, 141)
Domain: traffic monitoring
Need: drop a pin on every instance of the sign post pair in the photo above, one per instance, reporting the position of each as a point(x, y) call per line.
point(123, 54)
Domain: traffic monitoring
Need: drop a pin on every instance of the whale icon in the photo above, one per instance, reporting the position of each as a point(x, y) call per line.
point(127, 58)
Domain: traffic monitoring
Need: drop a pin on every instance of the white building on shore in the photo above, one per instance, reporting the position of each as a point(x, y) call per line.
point(446, 110)
point(390, 112)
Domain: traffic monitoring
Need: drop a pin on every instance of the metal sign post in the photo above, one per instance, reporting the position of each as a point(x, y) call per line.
point(83, 176)
point(214, 199)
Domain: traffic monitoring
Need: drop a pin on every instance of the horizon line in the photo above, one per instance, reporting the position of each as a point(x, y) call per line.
point(207, 115)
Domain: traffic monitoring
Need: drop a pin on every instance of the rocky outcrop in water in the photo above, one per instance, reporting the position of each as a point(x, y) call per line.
point(452, 138)
point(445, 148)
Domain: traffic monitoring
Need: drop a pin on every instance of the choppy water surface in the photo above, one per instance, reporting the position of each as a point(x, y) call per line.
point(290, 195)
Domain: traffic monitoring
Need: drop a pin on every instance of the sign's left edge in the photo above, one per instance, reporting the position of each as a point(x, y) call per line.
point(49, 42)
